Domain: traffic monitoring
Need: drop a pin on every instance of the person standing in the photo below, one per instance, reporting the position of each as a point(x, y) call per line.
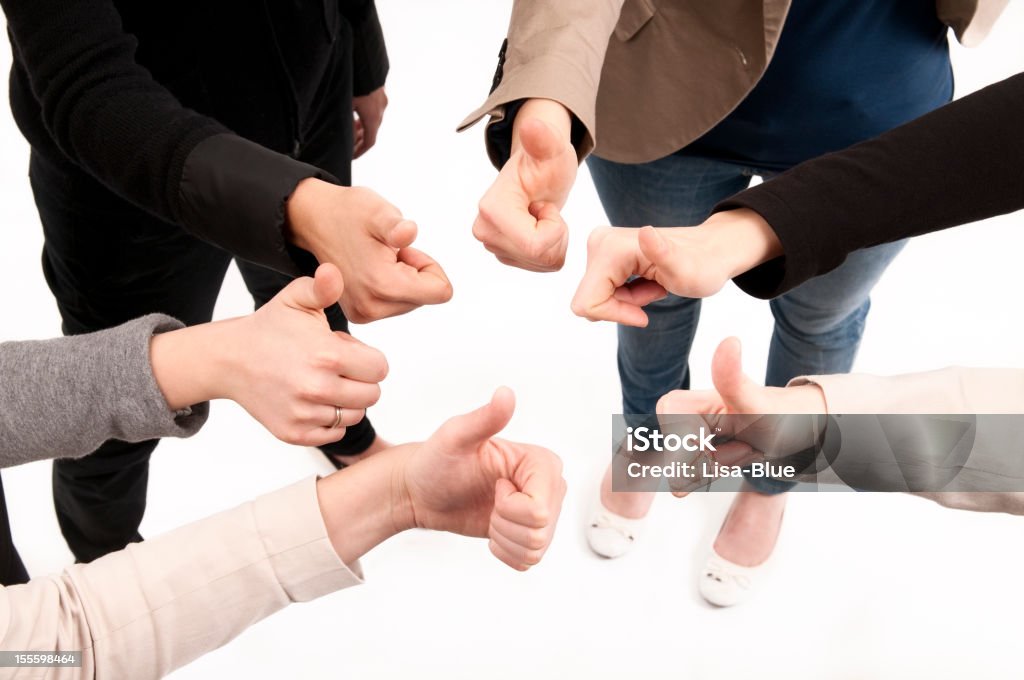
point(168, 138)
point(682, 103)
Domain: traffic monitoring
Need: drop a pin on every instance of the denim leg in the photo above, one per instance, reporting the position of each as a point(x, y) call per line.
point(670, 192)
point(819, 325)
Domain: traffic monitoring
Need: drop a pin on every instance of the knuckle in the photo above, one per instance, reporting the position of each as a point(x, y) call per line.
point(293, 435)
point(532, 557)
point(596, 237)
point(487, 210)
point(540, 517)
point(537, 539)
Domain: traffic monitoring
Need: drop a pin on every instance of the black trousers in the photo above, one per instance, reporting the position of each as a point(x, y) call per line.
point(106, 262)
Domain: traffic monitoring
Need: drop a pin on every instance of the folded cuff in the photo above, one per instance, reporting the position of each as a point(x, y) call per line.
point(545, 78)
point(297, 544)
point(234, 193)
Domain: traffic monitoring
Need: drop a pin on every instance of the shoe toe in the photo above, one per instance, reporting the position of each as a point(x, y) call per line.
point(609, 542)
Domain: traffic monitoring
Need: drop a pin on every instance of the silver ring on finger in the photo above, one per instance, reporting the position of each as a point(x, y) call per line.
point(338, 411)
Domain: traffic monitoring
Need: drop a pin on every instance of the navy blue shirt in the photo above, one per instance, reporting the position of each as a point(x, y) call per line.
point(843, 71)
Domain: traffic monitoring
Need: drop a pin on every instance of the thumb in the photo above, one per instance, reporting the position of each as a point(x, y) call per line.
point(472, 429)
point(317, 293)
point(401, 235)
point(503, 488)
point(658, 249)
point(737, 390)
point(539, 140)
point(327, 285)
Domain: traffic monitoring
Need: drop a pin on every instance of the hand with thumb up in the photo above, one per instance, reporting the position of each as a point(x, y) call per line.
point(464, 480)
point(519, 219)
point(282, 364)
point(629, 268)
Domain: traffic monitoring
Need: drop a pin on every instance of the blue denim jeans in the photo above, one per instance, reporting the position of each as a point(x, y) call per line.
point(818, 326)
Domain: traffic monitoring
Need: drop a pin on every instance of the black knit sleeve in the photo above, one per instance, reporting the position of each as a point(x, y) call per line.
point(958, 164)
point(369, 54)
point(108, 115)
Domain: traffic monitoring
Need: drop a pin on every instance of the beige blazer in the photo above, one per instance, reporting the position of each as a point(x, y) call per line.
point(949, 390)
point(647, 77)
point(146, 610)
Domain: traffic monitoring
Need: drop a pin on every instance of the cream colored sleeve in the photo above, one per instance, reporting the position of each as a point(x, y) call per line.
point(949, 390)
point(556, 51)
point(148, 609)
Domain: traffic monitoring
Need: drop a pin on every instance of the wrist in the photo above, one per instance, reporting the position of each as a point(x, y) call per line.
point(742, 240)
point(554, 114)
point(301, 212)
point(194, 365)
point(366, 504)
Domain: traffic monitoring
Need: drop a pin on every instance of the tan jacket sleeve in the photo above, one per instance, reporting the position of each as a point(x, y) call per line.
point(949, 390)
point(153, 607)
point(555, 50)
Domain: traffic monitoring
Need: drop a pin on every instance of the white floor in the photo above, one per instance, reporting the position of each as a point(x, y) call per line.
point(865, 585)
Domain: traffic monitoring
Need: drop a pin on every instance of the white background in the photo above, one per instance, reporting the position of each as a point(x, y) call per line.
point(864, 585)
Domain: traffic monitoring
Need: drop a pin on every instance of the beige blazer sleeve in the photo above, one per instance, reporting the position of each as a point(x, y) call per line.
point(555, 50)
point(153, 607)
point(949, 390)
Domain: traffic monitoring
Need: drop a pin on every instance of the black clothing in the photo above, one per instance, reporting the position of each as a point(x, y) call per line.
point(958, 164)
point(145, 195)
point(162, 101)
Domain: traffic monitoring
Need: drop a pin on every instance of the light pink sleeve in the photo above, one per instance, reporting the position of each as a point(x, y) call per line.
point(949, 390)
point(153, 607)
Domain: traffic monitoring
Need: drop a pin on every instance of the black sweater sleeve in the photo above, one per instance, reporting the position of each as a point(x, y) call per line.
point(369, 54)
point(109, 116)
point(955, 165)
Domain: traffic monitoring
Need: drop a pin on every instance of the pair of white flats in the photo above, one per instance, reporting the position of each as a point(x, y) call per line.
point(722, 583)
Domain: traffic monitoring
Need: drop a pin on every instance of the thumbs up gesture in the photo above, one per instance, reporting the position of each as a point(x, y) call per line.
point(629, 268)
point(519, 218)
point(757, 434)
point(464, 480)
point(371, 243)
point(292, 373)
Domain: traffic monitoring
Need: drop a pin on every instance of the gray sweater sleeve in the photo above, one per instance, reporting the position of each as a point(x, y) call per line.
point(64, 397)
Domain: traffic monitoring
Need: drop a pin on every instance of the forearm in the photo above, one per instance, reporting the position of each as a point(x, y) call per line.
point(151, 608)
point(555, 51)
point(64, 397)
point(738, 240)
point(367, 503)
point(196, 364)
point(958, 164)
point(370, 62)
point(77, 76)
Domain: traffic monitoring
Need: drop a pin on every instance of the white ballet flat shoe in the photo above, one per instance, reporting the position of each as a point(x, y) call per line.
point(611, 535)
point(725, 584)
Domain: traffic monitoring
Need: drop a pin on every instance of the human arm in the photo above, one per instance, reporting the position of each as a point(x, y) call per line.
point(955, 165)
point(109, 116)
point(151, 608)
point(542, 124)
point(152, 378)
point(923, 448)
point(369, 71)
point(687, 261)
